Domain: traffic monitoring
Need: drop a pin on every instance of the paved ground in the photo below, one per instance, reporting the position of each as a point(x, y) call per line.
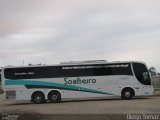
point(149, 105)
point(107, 106)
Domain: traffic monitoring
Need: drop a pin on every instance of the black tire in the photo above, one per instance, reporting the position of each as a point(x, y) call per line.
point(38, 97)
point(54, 97)
point(127, 94)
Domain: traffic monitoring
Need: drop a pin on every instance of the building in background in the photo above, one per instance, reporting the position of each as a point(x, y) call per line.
point(155, 77)
point(154, 73)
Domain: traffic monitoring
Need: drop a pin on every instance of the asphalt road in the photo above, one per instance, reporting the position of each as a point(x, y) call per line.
point(105, 106)
point(145, 105)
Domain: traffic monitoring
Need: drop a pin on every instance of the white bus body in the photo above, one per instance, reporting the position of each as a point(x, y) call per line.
point(95, 79)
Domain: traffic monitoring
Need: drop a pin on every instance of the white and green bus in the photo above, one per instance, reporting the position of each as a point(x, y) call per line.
point(80, 80)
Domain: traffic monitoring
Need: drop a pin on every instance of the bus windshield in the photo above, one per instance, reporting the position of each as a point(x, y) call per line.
point(141, 73)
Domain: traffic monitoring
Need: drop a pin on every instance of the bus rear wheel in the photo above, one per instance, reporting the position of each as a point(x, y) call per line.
point(38, 97)
point(127, 94)
point(54, 97)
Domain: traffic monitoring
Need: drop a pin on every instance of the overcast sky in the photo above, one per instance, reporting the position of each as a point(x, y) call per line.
point(52, 31)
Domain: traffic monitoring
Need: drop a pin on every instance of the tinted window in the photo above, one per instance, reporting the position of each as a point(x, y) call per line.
point(114, 69)
point(141, 73)
point(126, 70)
point(67, 71)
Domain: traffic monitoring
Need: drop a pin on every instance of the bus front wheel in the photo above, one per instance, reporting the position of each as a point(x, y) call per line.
point(54, 96)
point(127, 93)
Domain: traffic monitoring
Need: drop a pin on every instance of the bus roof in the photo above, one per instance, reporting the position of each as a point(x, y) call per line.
point(77, 63)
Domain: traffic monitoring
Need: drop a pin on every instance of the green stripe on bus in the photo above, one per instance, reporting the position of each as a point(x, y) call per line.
point(51, 84)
